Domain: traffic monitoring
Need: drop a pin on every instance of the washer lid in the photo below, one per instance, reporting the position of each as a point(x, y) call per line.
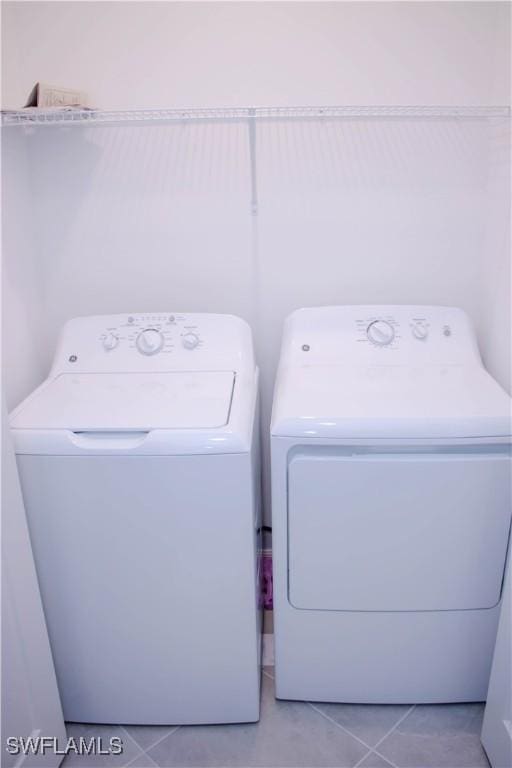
point(120, 402)
point(432, 401)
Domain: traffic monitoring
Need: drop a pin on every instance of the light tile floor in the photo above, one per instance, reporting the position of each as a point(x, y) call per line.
point(301, 735)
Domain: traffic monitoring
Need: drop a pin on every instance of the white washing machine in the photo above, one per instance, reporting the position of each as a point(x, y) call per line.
point(391, 506)
point(138, 460)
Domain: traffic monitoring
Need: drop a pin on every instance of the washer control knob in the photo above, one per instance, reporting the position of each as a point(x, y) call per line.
point(419, 330)
point(190, 340)
point(380, 332)
point(110, 342)
point(149, 341)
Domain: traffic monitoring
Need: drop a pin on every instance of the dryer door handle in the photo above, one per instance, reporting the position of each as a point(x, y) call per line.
point(106, 440)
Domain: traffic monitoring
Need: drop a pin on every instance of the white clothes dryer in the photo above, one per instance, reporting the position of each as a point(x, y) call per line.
point(138, 459)
point(391, 506)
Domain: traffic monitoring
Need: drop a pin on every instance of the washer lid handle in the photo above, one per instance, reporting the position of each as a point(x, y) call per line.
point(101, 440)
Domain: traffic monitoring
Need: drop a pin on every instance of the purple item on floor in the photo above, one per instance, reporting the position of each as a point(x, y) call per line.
point(266, 582)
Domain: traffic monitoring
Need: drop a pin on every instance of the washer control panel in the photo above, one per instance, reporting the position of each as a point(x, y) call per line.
point(149, 341)
point(374, 334)
point(152, 334)
point(154, 342)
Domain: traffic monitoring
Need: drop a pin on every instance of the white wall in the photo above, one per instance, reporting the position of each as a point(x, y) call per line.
point(147, 54)
point(24, 356)
point(493, 317)
point(141, 217)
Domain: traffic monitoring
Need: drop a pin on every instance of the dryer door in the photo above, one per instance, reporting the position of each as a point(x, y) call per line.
point(397, 531)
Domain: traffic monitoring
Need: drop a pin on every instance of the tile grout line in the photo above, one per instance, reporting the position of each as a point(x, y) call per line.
point(144, 754)
point(319, 711)
point(342, 728)
point(130, 738)
point(371, 750)
point(388, 761)
point(374, 749)
point(169, 733)
point(361, 761)
point(400, 720)
point(374, 752)
point(125, 732)
point(338, 725)
point(153, 744)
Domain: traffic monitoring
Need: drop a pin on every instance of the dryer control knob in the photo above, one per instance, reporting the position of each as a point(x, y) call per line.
point(380, 332)
point(419, 330)
point(149, 341)
point(190, 340)
point(110, 342)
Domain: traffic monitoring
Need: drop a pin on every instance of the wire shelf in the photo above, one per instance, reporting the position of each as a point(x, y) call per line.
point(73, 116)
point(380, 112)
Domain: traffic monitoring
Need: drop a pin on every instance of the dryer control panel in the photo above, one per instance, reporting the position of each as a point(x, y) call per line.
point(380, 334)
point(154, 341)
